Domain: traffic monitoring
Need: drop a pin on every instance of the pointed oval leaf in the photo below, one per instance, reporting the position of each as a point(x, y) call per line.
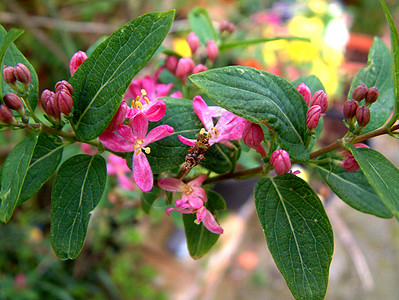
point(45, 160)
point(202, 26)
point(100, 82)
point(199, 239)
point(14, 170)
point(354, 189)
point(378, 73)
point(260, 97)
point(298, 233)
point(78, 187)
point(382, 175)
point(12, 56)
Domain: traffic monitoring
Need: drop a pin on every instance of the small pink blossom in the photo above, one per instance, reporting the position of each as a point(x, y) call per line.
point(349, 163)
point(134, 138)
point(228, 128)
point(193, 42)
point(185, 67)
point(77, 59)
point(313, 116)
point(304, 90)
point(212, 50)
point(253, 136)
point(280, 161)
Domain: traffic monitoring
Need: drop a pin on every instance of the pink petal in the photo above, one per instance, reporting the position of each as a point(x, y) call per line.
point(115, 142)
point(200, 192)
point(203, 113)
point(155, 110)
point(177, 94)
point(162, 90)
point(211, 224)
point(142, 172)
point(126, 132)
point(201, 214)
point(119, 117)
point(186, 141)
point(139, 125)
point(216, 111)
point(194, 202)
point(198, 181)
point(170, 184)
point(157, 133)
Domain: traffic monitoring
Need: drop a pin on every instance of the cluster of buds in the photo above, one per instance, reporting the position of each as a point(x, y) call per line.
point(183, 67)
point(18, 74)
point(318, 104)
point(60, 102)
point(357, 108)
point(12, 102)
point(226, 26)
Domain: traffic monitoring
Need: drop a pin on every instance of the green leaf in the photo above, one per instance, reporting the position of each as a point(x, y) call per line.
point(101, 81)
point(298, 233)
point(378, 73)
point(78, 188)
point(260, 97)
point(354, 189)
point(312, 81)
point(13, 175)
point(45, 159)
point(13, 56)
point(199, 239)
point(247, 43)
point(382, 175)
point(202, 26)
point(220, 158)
point(148, 199)
point(395, 55)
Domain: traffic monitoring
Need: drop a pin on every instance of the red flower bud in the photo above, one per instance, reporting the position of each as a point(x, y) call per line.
point(193, 42)
point(6, 115)
point(171, 63)
point(320, 98)
point(49, 105)
point(350, 108)
point(14, 102)
point(280, 161)
point(372, 95)
point(304, 90)
point(63, 100)
point(22, 73)
point(349, 164)
point(119, 117)
point(212, 50)
point(313, 116)
point(199, 68)
point(252, 136)
point(226, 26)
point(64, 85)
point(8, 75)
point(77, 59)
point(184, 68)
point(363, 115)
point(359, 93)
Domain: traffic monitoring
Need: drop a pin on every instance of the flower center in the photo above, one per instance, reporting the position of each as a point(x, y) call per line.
point(186, 189)
point(137, 103)
point(138, 148)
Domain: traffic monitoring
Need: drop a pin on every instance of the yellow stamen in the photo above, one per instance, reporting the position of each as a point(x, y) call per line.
point(147, 150)
point(137, 146)
point(143, 92)
point(138, 105)
point(146, 99)
point(137, 152)
point(202, 131)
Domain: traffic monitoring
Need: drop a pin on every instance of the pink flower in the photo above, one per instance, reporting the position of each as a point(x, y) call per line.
point(228, 128)
point(77, 59)
point(134, 138)
point(117, 166)
point(252, 136)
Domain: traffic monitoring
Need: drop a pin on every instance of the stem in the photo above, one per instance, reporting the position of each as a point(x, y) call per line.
point(245, 173)
point(32, 113)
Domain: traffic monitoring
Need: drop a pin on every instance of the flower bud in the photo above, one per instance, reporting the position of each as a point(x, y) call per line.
point(313, 116)
point(349, 164)
point(359, 93)
point(363, 115)
point(193, 42)
point(184, 68)
point(280, 161)
point(63, 100)
point(64, 85)
point(372, 95)
point(227, 26)
point(22, 73)
point(8, 75)
point(14, 102)
point(171, 63)
point(304, 90)
point(48, 104)
point(6, 115)
point(199, 68)
point(320, 98)
point(212, 50)
point(77, 59)
point(350, 108)
point(119, 117)
point(252, 136)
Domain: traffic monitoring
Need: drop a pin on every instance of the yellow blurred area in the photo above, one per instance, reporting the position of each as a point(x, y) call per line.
point(181, 47)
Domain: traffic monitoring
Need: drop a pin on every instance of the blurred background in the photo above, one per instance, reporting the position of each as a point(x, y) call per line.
point(132, 255)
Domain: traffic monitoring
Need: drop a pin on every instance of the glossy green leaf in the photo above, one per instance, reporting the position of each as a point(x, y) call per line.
point(260, 97)
point(14, 170)
point(298, 233)
point(202, 26)
point(199, 239)
point(148, 199)
point(395, 54)
point(101, 81)
point(9, 38)
point(382, 175)
point(220, 158)
point(354, 189)
point(247, 43)
point(378, 73)
point(45, 159)
point(78, 187)
point(12, 56)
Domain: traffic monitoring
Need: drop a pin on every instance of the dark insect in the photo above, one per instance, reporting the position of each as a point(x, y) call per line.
point(196, 153)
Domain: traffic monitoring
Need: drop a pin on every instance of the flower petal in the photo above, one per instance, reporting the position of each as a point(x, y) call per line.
point(115, 142)
point(198, 181)
point(157, 133)
point(211, 224)
point(119, 117)
point(194, 202)
point(203, 112)
point(139, 125)
point(126, 132)
point(186, 141)
point(142, 172)
point(170, 184)
point(155, 110)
